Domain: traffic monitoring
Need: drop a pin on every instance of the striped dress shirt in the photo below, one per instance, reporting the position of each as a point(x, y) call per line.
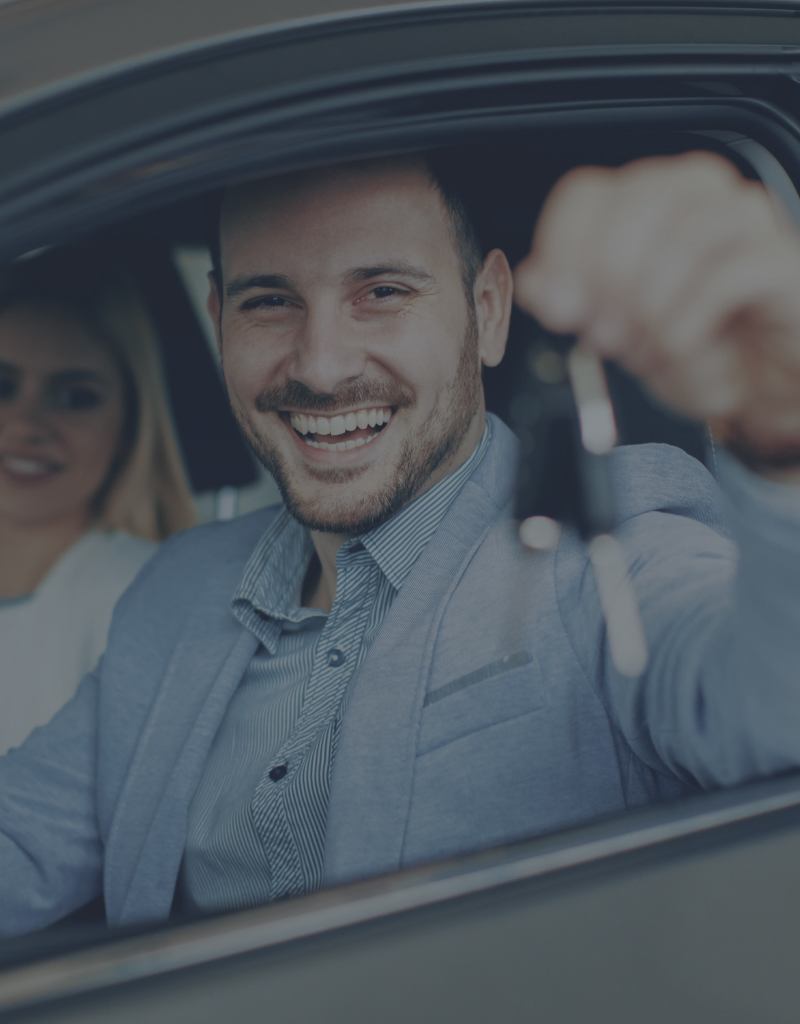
point(256, 827)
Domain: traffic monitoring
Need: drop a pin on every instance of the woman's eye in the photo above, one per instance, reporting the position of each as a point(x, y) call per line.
point(79, 398)
point(8, 388)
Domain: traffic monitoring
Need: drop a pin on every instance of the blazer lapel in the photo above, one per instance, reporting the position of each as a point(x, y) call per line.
point(147, 836)
point(373, 772)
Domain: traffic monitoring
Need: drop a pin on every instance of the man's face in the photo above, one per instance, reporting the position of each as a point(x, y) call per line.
point(351, 353)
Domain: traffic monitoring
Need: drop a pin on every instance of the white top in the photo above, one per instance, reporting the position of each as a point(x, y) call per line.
point(50, 640)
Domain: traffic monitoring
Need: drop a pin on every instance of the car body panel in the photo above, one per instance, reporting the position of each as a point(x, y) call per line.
point(685, 912)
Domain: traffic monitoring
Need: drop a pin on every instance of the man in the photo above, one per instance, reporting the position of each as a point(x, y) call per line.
point(380, 675)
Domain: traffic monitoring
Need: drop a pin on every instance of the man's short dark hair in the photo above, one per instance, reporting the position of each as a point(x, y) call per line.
point(465, 235)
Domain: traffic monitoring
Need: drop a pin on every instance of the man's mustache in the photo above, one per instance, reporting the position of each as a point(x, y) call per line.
point(355, 393)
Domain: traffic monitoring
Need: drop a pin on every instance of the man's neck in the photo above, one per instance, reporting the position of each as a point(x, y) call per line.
point(319, 589)
point(320, 583)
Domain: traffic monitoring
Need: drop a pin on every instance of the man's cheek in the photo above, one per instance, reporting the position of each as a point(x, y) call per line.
point(242, 408)
point(246, 380)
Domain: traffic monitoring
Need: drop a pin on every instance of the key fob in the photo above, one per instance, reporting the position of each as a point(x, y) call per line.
point(563, 417)
point(557, 477)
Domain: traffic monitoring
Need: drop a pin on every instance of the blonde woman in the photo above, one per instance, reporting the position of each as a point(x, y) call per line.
point(90, 480)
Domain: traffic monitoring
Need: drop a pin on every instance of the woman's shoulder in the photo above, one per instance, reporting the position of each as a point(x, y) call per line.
point(119, 544)
point(116, 548)
point(104, 561)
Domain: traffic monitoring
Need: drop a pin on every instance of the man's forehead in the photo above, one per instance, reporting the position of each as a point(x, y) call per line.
point(245, 204)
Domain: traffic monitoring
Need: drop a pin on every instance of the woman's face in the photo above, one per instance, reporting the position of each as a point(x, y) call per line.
point(61, 414)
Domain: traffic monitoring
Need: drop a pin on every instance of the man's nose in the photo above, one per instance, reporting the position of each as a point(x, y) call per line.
point(327, 350)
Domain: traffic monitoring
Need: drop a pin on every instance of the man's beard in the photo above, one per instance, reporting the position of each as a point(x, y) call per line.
point(436, 439)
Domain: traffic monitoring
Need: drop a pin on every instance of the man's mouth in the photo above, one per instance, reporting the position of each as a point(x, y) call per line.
point(356, 428)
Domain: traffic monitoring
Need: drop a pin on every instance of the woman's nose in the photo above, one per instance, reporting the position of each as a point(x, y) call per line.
point(25, 420)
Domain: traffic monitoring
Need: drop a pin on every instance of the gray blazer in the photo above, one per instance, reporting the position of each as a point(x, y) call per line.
point(485, 711)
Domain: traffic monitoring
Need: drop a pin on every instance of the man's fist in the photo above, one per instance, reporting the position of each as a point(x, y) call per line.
point(689, 276)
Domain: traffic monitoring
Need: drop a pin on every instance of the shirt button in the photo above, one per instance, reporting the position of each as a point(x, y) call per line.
point(336, 657)
point(278, 772)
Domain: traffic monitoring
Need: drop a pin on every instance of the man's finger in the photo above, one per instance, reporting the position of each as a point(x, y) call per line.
point(550, 283)
point(752, 295)
point(600, 227)
point(703, 231)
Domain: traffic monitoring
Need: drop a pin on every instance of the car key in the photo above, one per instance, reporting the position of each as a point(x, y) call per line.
point(564, 419)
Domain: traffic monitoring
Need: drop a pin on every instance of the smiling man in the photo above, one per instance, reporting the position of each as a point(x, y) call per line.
point(377, 674)
point(333, 340)
point(353, 366)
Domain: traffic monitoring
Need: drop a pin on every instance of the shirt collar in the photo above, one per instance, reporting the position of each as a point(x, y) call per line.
point(398, 543)
point(273, 579)
point(271, 586)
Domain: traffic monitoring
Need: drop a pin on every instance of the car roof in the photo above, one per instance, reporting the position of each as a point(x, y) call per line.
point(46, 44)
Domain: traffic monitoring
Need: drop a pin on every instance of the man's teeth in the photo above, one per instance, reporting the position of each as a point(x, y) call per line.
point(335, 425)
point(340, 446)
point(25, 467)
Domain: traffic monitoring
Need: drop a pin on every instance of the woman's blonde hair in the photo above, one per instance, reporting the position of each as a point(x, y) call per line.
point(146, 492)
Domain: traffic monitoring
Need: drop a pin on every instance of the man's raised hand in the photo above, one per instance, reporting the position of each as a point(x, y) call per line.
point(689, 276)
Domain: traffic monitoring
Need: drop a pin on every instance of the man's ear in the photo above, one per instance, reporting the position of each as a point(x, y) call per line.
point(214, 307)
point(494, 292)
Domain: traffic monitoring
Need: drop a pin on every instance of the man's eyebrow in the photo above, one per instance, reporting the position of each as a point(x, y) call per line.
point(399, 267)
point(246, 282)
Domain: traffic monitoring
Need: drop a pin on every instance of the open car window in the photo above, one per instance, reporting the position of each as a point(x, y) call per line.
point(505, 106)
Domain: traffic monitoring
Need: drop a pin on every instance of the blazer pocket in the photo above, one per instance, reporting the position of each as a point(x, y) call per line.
point(480, 675)
point(501, 690)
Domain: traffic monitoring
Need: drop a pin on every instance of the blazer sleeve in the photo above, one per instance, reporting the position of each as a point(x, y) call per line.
point(719, 702)
point(51, 851)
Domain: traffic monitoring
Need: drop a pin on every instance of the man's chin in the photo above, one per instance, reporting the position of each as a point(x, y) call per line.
point(348, 516)
point(353, 500)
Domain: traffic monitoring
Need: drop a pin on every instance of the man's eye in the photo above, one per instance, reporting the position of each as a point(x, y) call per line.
point(385, 291)
point(268, 301)
point(79, 398)
point(8, 388)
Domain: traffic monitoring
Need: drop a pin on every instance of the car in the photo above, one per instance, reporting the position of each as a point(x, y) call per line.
point(118, 122)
